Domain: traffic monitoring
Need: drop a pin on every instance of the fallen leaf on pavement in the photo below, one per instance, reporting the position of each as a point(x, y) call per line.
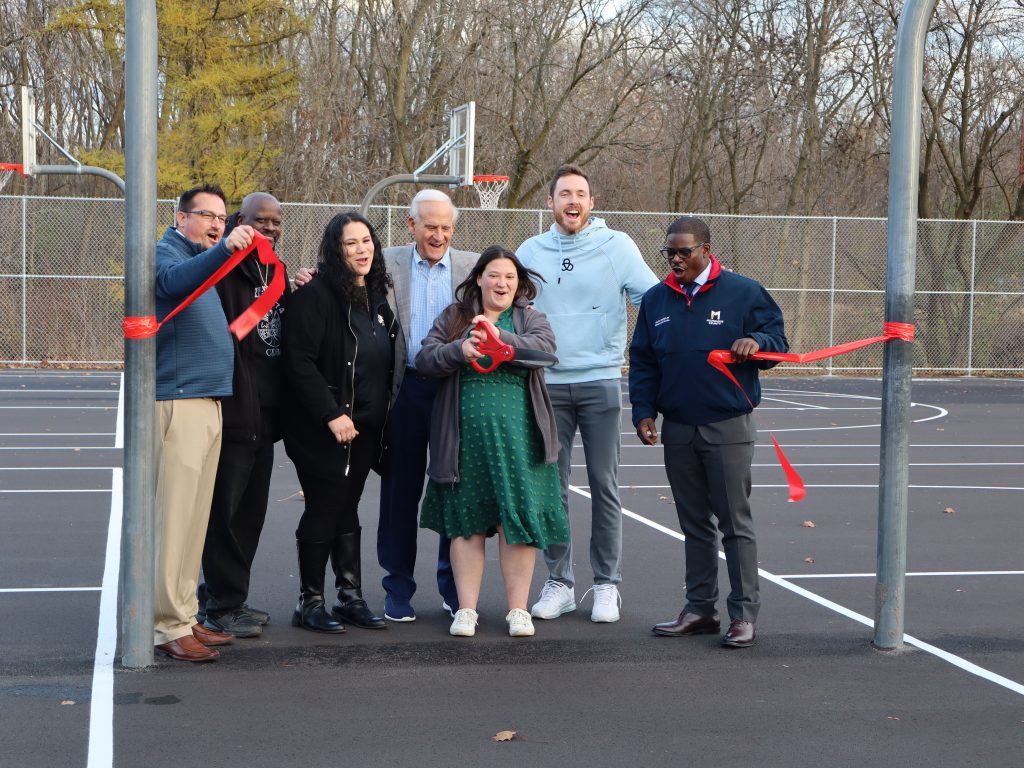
point(663, 498)
point(808, 524)
point(808, 559)
point(504, 736)
point(66, 702)
point(949, 511)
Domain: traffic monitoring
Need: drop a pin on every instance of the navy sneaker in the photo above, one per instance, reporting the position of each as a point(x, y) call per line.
point(397, 609)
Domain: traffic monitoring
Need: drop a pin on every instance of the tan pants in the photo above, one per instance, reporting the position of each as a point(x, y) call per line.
point(188, 448)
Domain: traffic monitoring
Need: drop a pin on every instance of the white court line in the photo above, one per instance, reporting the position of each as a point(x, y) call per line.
point(101, 708)
point(856, 485)
point(55, 434)
point(49, 589)
point(119, 428)
point(956, 661)
point(57, 448)
point(49, 469)
point(58, 490)
point(914, 573)
point(868, 464)
point(800, 406)
point(847, 445)
point(57, 407)
point(60, 391)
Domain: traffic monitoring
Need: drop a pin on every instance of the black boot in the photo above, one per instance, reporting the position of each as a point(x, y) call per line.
point(311, 612)
point(350, 606)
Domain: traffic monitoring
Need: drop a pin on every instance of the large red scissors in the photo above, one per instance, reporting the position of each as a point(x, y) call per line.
point(492, 346)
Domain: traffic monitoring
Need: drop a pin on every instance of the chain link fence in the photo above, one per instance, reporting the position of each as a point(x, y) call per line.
point(62, 266)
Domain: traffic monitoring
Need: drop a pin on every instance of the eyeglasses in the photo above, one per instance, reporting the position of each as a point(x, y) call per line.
point(208, 216)
point(671, 253)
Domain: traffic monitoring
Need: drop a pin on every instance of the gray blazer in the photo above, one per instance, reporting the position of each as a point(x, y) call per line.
point(398, 261)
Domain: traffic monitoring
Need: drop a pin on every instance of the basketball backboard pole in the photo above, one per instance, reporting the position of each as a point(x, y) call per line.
point(894, 466)
point(30, 133)
point(458, 148)
point(138, 537)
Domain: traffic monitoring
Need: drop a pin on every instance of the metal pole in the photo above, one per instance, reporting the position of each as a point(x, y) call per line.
point(403, 178)
point(904, 165)
point(79, 170)
point(137, 547)
point(832, 294)
point(24, 281)
point(970, 310)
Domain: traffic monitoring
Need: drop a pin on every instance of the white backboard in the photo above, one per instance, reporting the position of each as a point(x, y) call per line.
point(462, 135)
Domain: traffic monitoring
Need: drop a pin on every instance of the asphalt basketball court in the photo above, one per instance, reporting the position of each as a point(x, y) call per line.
point(811, 690)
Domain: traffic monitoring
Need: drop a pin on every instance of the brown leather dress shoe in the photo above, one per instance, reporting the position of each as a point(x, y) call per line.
point(740, 634)
point(210, 637)
point(689, 624)
point(187, 648)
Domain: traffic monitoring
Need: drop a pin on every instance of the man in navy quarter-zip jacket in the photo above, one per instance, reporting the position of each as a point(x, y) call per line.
point(194, 364)
point(707, 429)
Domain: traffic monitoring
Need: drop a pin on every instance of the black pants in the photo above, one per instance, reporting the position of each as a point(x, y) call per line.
point(237, 514)
point(332, 502)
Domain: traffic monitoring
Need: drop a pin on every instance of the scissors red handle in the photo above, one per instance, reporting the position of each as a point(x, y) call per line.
point(492, 346)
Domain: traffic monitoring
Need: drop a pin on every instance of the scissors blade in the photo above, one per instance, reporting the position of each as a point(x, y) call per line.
point(534, 357)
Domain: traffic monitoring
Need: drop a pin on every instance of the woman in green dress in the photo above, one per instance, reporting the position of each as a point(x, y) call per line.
point(493, 443)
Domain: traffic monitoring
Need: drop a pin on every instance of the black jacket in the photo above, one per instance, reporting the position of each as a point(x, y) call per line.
point(246, 416)
point(320, 354)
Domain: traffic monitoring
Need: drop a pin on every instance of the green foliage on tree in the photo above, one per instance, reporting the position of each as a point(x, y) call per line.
point(226, 84)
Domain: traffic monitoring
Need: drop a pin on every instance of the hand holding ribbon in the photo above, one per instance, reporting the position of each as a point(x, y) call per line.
point(145, 327)
point(721, 358)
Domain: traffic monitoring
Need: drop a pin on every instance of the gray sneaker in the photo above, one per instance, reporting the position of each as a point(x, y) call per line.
point(237, 623)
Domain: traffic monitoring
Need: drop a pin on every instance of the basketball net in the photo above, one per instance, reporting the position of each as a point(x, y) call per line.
point(7, 171)
point(490, 189)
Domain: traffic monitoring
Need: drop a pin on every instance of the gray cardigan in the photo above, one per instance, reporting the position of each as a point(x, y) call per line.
point(442, 358)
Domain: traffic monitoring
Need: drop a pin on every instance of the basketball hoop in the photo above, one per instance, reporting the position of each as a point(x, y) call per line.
point(7, 171)
point(489, 189)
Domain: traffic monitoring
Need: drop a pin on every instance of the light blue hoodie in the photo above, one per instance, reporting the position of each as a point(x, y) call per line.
point(588, 276)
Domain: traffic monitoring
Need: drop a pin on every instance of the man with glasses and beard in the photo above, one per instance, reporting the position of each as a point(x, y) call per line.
point(707, 429)
point(193, 372)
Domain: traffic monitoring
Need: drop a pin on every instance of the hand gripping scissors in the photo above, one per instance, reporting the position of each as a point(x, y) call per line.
point(500, 352)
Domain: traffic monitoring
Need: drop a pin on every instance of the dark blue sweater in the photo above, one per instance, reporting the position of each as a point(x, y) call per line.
point(668, 357)
point(194, 354)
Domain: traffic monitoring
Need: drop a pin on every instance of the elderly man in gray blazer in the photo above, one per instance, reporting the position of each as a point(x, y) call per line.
point(426, 273)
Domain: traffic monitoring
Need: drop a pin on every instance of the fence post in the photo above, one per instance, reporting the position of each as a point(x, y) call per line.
point(24, 281)
point(832, 297)
point(970, 299)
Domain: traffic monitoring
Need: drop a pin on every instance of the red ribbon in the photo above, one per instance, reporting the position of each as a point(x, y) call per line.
point(721, 358)
point(145, 327)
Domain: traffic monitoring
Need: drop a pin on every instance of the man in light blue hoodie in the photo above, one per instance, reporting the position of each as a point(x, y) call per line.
point(589, 270)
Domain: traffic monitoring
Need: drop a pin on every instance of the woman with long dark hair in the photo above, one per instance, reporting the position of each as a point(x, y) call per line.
point(493, 442)
point(340, 359)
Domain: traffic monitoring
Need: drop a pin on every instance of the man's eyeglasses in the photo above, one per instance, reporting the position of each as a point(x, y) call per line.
point(671, 253)
point(208, 216)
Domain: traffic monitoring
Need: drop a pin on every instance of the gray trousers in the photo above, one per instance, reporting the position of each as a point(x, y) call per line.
point(594, 407)
point(708, 468)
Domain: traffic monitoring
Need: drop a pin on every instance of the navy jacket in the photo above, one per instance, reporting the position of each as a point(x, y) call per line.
point(668, 357)
point(194, 354)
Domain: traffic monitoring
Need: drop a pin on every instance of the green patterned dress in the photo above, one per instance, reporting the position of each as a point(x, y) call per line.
point(503, 478)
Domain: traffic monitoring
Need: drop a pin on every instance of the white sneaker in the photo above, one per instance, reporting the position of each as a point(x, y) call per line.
point(519, 623)
point(555, 599)
point(606, 603)
point(464, 624)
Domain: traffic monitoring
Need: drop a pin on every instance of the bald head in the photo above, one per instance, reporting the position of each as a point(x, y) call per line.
point(262, 212)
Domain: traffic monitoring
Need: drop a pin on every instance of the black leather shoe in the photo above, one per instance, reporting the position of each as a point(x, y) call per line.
point(740, 634)
point(357, 613)
point(689, 624)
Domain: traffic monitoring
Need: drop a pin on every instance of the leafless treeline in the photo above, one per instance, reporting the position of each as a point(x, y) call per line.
point(733, 106)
